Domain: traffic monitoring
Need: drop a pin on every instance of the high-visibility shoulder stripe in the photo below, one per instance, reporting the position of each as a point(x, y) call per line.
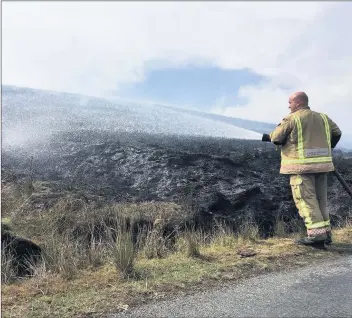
point(327, 129)
point(325, 156)
point(300, 137)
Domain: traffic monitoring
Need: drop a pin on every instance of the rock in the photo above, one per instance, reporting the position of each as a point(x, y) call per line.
point(21, 252)
point(246, 253)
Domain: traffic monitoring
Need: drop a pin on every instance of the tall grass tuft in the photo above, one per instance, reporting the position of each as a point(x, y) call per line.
point(248, 231)
point(189, 242)
point(124, 253)
point(224, 235)
point(8, 273)
point(62, 256)
point(154, 244)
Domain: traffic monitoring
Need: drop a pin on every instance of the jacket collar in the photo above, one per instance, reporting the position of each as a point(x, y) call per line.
point(301, 108)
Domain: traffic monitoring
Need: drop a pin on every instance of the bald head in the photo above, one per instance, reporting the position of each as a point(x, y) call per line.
point(297, 101)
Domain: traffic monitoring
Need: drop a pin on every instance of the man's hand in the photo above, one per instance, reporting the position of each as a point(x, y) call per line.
point(266, 137)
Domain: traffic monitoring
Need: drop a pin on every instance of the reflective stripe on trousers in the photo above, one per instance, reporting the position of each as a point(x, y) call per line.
point(310, 195)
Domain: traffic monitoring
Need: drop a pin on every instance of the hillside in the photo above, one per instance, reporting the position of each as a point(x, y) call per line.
point(116, 153)
point(232, 179)
point(115, 205)
point(30, 115)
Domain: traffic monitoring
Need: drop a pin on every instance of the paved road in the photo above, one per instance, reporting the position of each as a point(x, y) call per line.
point(323, 290)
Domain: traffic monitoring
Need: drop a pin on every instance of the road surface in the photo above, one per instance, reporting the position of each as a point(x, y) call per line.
point(321, 290)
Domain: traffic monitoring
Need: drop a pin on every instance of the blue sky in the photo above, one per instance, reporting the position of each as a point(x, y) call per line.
point(204, 54)
point(198, 87)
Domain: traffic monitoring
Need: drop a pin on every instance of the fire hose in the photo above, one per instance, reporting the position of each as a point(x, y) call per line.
point(343, 182)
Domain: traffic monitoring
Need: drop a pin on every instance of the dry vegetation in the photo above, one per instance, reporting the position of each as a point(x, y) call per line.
point(106, 258)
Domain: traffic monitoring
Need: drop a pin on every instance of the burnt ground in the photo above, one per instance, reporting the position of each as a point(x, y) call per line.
point(233, 180)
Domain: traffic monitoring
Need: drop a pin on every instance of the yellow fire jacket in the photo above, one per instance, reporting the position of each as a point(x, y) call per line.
point(307, 138)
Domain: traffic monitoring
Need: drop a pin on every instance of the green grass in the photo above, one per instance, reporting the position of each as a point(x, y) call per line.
point(96, 261)
point(103, 289)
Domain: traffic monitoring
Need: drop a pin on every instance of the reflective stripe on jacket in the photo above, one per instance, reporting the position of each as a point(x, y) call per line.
point(305, 137)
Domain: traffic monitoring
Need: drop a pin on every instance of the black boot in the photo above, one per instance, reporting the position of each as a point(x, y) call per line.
point(328, 240)
point(317, 241)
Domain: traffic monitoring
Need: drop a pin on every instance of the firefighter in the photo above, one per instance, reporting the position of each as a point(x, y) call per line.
point(307, 138)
